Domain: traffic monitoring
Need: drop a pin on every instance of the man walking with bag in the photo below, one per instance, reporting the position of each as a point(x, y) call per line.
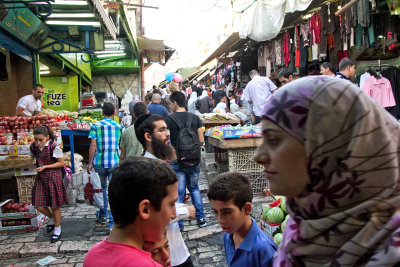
point(105, 136)
point(187, 136)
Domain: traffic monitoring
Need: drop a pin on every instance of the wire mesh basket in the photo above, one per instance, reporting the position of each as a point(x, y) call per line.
point(241, 160)
point(25, 184)
point(258, 182)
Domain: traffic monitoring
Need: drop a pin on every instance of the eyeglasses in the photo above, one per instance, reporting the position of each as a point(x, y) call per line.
point(163, 130)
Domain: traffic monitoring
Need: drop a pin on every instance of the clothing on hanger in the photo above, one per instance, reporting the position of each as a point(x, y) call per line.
point(380, 90)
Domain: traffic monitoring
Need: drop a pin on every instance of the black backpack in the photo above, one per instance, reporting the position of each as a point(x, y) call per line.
point(198, 104)
point(188, 147)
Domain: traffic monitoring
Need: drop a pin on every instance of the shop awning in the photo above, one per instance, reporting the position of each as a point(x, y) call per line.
point(196, 77)
point(204, 74)
point(224, 47)
point(155, 51)
point(114, 65)
point(74, 15)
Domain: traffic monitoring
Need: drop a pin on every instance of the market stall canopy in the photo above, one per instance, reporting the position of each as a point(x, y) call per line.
point(186, 73)
point(204, 74)
point(155, 51)
point(78, 14)
point(263, 19)
point(224, 47)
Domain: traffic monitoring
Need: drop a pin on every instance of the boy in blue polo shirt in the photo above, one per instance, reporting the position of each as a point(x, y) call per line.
point(245, 244)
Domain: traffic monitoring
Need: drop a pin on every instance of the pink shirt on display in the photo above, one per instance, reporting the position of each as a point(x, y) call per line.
point(380, 90)
point(109, 254)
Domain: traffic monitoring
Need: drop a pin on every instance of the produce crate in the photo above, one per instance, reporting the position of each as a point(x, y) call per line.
point(209, 147)
point(222, 167)
point(241, 160)
point(221, 155)
point(30, 213)
point(33, 225)
point(258, 182)
point(25, 184)
point(267, 227)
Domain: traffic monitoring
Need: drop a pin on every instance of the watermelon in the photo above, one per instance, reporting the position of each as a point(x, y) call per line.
point(283, 204)
point(278, 238)
point(265, 211)
point(283, 225)
point(275, 215)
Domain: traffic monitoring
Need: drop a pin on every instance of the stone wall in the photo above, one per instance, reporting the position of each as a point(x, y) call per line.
point(75, 188)
point(119, 84)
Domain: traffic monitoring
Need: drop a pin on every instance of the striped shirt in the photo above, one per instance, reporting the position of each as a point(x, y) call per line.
point(108, 135)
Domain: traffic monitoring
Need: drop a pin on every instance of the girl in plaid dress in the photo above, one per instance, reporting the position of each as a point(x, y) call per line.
point(49, 192)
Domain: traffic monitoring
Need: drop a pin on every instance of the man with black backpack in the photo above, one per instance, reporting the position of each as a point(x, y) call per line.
point(187, 136)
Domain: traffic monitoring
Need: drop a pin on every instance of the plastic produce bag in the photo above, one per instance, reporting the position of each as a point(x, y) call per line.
point(92, 190)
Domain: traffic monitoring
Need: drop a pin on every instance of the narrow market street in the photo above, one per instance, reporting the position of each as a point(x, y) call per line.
point(81, 232)
point(282, 112)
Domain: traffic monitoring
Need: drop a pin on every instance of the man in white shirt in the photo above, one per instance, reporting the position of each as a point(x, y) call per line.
point(30, 105)
point(153, 134)
point(257, 91)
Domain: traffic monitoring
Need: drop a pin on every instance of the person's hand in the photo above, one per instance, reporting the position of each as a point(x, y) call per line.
point(250, 102)
point(40, 169)
point(34, 161)
point(89, 168)
point(267, 193)
point(192, 211)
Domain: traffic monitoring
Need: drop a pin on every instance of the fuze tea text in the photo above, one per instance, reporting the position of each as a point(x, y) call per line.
point(55, 99)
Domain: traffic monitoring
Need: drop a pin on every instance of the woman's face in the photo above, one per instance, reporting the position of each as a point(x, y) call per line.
point(284, 160)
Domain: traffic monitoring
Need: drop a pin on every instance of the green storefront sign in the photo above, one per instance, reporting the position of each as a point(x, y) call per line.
point(23, 24)
point(60, 93)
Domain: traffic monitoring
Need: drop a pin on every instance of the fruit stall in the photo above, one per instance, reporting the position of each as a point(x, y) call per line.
point(274, 218)
point(17, 173)
point(211, 120)
point(234, 148)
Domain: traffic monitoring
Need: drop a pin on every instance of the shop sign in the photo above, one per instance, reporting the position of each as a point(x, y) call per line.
point(20, 22)
point(60, 93)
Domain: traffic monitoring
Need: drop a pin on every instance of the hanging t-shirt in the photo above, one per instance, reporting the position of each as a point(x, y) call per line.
point(362, 79)
point(380, 90)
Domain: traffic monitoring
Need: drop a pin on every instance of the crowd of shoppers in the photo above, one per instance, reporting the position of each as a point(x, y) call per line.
point(340, 214)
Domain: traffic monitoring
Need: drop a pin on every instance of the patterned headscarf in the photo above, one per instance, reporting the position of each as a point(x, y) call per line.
point(349, 214)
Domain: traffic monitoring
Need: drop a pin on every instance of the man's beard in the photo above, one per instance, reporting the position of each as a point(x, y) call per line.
point(162, 150)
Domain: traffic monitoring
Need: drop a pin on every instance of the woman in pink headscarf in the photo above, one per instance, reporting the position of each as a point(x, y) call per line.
point(334, 152)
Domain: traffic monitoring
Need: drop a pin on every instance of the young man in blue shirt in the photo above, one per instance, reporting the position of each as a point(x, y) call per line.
point(245, 243)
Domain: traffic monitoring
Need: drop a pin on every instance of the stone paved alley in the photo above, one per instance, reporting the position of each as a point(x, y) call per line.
point(81, 232)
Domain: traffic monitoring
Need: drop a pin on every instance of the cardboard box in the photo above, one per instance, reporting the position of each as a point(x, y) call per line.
point(23, 149)
point(239, 133)
point(3, 150)
point(35, 224)
point(257, 132)
point(12, 150)
point(27, 170)
point(32, 212)
point(217, 134)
